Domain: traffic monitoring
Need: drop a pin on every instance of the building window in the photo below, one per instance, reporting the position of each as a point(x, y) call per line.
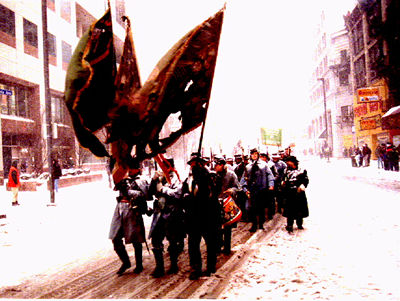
point(58, 110)
point(66, 10)
point(83, 20)
point(375, 59)
point(359, 72)
point(14, 100)
point(7, 26)
point(31, 38)
point(66, 54)
point(347, 114)
point(120, 11)
point(52, 49)
point(358, 38)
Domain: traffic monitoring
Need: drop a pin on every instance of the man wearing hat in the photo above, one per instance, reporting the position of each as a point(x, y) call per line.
point(202, 215)
point(227, 184)
point(127, 222)
point(257, 178)
point(280, 168)
point(241, 195)
point(295, 206)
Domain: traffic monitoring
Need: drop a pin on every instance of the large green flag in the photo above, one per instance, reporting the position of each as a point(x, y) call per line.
point(89, 85)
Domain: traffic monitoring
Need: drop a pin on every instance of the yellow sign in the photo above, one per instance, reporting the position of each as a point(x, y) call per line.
point(369, 94)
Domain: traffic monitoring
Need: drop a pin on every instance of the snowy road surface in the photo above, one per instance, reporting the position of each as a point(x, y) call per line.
point(349, 250)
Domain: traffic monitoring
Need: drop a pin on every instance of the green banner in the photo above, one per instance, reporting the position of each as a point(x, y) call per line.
point(271, 136)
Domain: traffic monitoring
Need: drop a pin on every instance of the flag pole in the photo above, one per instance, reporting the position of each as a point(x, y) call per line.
point(209, 95)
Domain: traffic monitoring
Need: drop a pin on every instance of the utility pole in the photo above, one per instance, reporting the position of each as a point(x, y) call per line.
point(322, 79)
point(47, 99)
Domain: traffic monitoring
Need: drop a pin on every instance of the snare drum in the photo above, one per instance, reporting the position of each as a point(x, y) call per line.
point(231, 212)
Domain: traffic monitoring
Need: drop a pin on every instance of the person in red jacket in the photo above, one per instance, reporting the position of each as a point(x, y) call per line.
point(14, 182)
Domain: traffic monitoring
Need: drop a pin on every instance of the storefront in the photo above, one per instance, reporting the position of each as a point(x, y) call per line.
point(370, 104)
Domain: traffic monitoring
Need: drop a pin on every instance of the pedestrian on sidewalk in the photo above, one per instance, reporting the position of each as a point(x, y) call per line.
point(366, 154)
point(14, 182)
point(295, 199)
point(379, 152)
point(56, 173)
point(127, 222)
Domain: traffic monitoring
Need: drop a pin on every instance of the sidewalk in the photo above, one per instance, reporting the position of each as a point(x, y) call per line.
point(35, 237)
point(343, 166)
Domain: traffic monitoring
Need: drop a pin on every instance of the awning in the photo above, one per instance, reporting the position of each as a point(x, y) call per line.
point(391, 119)
point(323, 135)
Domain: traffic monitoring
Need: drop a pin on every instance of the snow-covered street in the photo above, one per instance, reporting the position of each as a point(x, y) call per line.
point(349, 250)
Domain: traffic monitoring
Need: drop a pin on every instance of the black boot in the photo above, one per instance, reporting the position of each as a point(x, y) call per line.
point(123, 255)
point(173, 256)
point(138, 258)
point(159, 270)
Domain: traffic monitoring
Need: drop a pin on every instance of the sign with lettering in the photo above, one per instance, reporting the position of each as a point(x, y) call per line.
point(271, 136)
point(370, 123)
point(368, 94)
point(5, 92)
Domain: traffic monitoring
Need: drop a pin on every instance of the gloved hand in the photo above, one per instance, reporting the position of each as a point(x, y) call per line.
point(159, 187)
point(157, 175)
point(301, 188)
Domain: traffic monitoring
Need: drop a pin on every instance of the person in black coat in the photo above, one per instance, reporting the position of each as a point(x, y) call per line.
point(203, 215)
point(295, 206)
point(56, 173)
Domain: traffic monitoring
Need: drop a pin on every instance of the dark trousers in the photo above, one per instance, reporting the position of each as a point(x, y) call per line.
point(119, 248)
point(160, 232)
point(257, 209)
point(194, 240)
point(225, 238)
point(290, 221)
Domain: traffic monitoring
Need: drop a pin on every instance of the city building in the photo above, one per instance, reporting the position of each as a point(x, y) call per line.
point(373, 28)
point(330, 132)
point(24, 129)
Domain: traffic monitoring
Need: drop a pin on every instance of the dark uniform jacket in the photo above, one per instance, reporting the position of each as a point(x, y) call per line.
point(168, 208)
point(295, 203)
point(201, 201)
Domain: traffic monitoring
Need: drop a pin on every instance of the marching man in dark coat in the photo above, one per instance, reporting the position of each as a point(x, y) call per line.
point(227, 184)
point(168, 220)
point(202, 215)
point(295, 206)
point(256, 179)
point(127, 222)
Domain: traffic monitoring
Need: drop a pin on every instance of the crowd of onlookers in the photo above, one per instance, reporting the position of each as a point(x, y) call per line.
point(387, 156)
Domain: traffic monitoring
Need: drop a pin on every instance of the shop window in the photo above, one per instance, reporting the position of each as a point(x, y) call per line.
point(14, 100)
point(66, 54)
point(31, 38)
point(66, 10)
point(52, 49)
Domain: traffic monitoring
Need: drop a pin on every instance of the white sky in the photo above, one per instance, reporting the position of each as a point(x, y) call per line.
point(263, 62)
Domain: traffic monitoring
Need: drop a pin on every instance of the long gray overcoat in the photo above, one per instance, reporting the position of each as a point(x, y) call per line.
point(130, 219)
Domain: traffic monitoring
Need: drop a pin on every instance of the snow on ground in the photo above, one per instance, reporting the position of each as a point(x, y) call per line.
point(349, 250)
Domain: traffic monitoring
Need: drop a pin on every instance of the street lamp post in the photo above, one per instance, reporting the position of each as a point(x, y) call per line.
point(326, 115)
